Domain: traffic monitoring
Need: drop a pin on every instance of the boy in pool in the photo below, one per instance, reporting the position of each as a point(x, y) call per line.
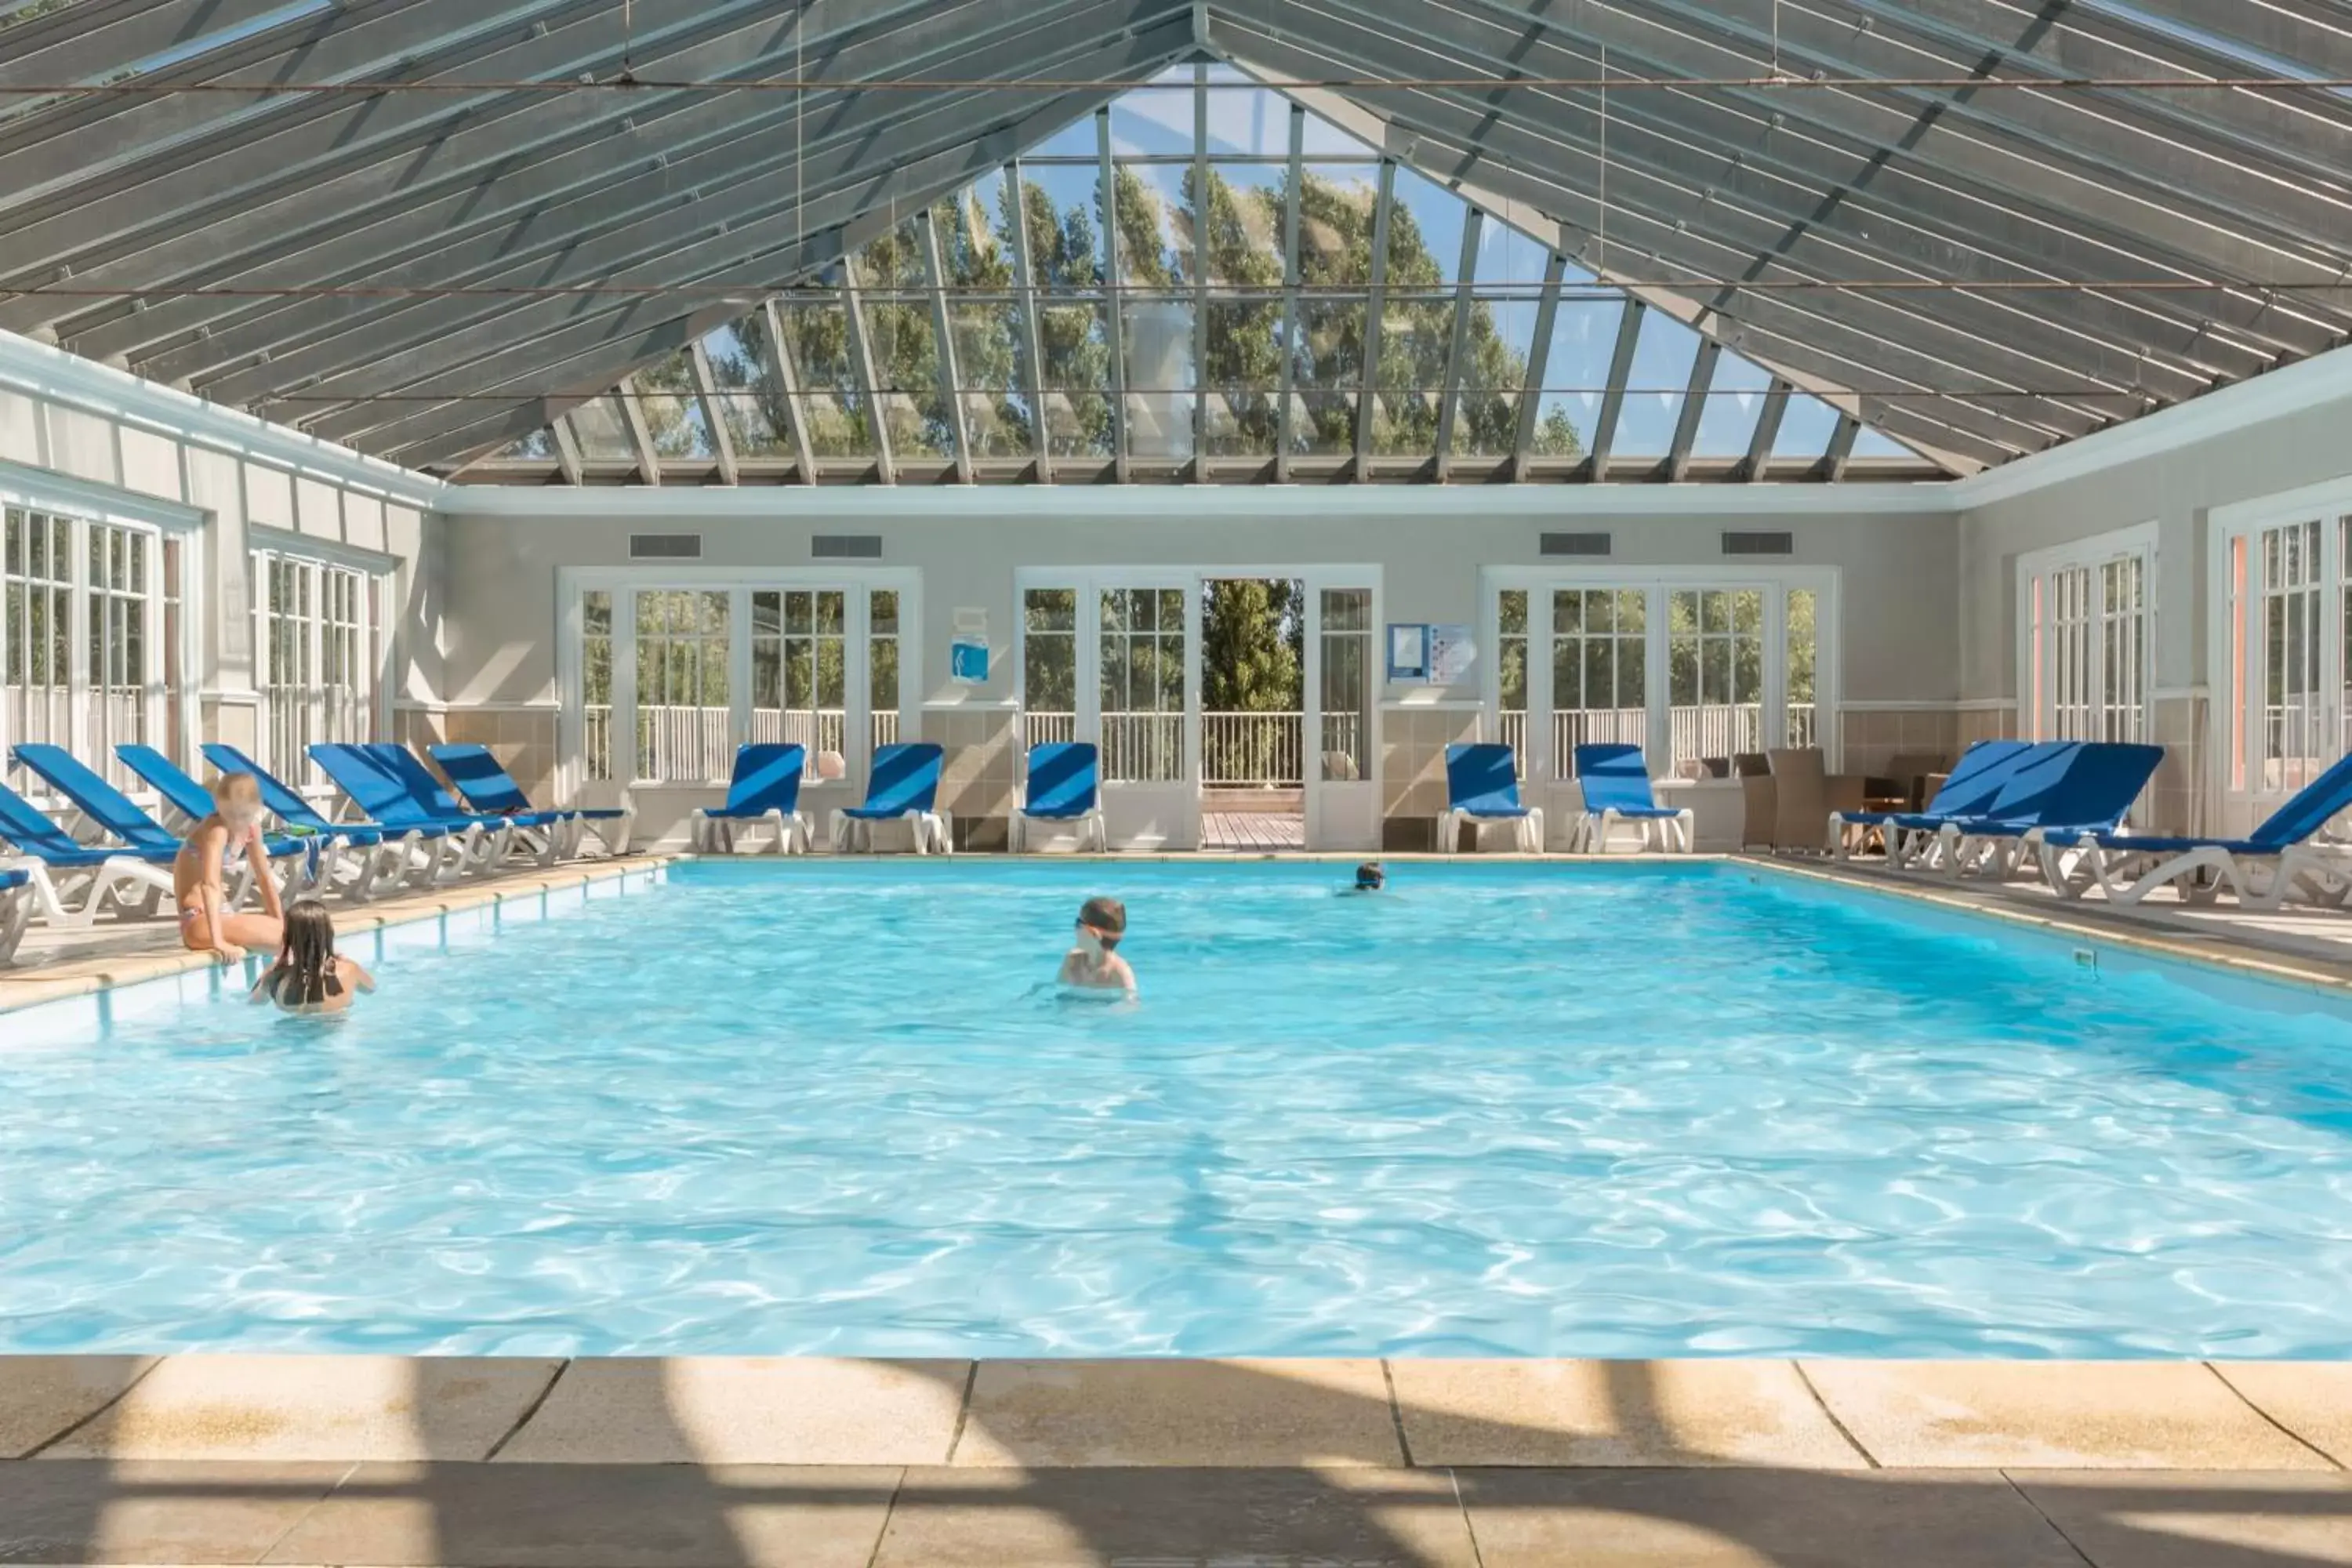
point(1093, 965)
point(200, 878)
point(1369, 878)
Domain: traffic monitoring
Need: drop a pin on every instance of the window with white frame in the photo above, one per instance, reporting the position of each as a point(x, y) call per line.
point(2280, 649)
point(664, 676)
point(320, 652)
point(2085, 611)
point(90, 618)
point(1688, 666)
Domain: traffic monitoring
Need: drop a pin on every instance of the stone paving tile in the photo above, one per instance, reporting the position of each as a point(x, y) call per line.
point(1755, 1518)
point(715, 1410)
point(42, 1396)
point(2312, 1399)
point(2154, 1518)
point(2161, 1415)
point(583, 1516)
point(315, 1407)
point(1164, 1518)
point(1141, 1412)
point(93, 1511)
point(1617, 1413)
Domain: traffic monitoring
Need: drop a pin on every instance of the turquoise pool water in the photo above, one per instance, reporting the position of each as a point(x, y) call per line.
point(1503, 1110)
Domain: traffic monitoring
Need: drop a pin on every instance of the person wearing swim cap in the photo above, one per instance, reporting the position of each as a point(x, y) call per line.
point(1094, 964)
point(1369, 878)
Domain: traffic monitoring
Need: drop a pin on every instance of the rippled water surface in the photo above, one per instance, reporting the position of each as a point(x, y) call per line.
point(1571, 1111)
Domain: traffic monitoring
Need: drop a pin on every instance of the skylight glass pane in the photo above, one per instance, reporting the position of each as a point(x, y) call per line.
point(1493, 374)
point(1156, 121)
point(1075, 140)
point(1074, 378)
point(1246, 121)
point(1655, 387)
point(1155, 226)
point(751, 403)
point(1869, 443)
point(1424, 233)
point(996, 413)
point(816, 336)
point(600, 431)
point(1735, 402)
point(672, 411)
point(1335, 226)
point(1318, 138)
point(1806, 427)
point(1245, 372)
point(1416, 331)
point(1245, 215)
point(975, 236)
point(537, 447)
point(1064, 217)
point(1509, 259)
point(907, 377)
point(893, 261)
point(1576, 372)
point(1326, 372)
point(1158, 337)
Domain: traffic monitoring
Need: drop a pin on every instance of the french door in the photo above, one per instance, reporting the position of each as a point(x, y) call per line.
point(2284, 688)
point(2085, 622)
point(666, 676)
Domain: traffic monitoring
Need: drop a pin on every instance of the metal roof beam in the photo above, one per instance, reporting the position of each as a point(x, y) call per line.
point(926, 236)
point(1613, 401)
point(1702, 378)
point(1285, 421)
point(1375, 307)
point(780, 365)
point(1767, 434)
point(861, 366)
point(1450, 395)
point(1538, 361)
point(641, 439)
point(1833, 462)
point(403, 204)
point(567, 448)
point(1029, 344)
point(1114, 310)
point(706, 393)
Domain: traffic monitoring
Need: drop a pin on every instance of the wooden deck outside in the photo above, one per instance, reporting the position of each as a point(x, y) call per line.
point(1253, 832)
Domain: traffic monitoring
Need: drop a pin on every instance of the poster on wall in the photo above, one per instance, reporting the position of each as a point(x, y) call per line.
point(1408, 651)
point(968, 648)
point(1450, 654)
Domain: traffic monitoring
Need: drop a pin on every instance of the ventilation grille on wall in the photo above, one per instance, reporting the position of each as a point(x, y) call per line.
point(846, 547)
point(664, 547)
point(1759, 545)
point(1576, 544)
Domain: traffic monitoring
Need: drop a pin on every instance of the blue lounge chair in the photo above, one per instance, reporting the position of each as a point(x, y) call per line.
point(2086, 784)
point(1482, 786)
point(1971, 787)
point(541, 835)
point(2263, 871)
point(110, 810)
point(15, 909)
point(378, 855)
point(766, 787)
point(379, 795)
point(1617, 789)
point(488, 787)
point(1064, 785)
point(339, 856)
point(903, 786)
point(70, 884)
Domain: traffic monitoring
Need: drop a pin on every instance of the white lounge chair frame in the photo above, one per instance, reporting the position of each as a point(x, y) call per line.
point(1093, 827)
point(1530, 829)
point(2321, 873)
point(1672, 836)
point(16, 916)
point(843, 832)
point(711, 835)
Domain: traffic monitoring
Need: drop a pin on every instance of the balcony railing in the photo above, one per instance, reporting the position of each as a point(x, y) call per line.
point(1696, 730)
point(1238, 750)
point(1253, 750)
point(681, 744)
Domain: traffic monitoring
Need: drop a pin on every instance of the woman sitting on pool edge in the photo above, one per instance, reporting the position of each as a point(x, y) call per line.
point(308, 977)
point(1093, 965)
point(200, 875)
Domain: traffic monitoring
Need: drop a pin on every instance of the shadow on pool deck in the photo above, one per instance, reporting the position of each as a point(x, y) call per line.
point(1029, 1514)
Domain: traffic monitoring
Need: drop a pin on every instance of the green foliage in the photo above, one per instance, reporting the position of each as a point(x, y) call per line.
point(1253, 647)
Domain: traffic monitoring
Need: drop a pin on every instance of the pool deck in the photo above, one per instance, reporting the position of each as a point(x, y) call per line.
point(646, 1463)
point(1695, 1464)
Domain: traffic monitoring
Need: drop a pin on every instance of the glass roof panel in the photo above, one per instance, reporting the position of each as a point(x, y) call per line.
point(1245, 221)
point(1869, 443)
point(1074, 378)
point(1655, 387)
point(816, 336)
point(1156, 332)
point(1806, 427)
point(1493, 374)
point(1416, 335)
point(893, 261)
point(537, 447)
point(1735, 402)
point(1335, 225)
point(1575, 370)
point(1245, 372)
point(905, 350)
point(1064, 210)
point(1424, 233)
point(1328, 372)
point(751, 403)
point(1245, 121)
point(672, 408)
point(1507, 258)
point(1154, 122)
point(602, 434)
point(1075, 140)
point(1154, 208)
point(975, 235)
point(996, 413)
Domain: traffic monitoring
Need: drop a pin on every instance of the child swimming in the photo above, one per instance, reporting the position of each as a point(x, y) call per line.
point(1093, 965)
point(309, 977)
point(1369, 878)
point(200, 879)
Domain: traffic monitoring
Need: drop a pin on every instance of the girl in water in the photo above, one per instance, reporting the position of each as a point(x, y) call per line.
point(309, 977)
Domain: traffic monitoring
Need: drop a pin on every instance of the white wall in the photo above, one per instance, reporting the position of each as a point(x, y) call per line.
point(1900, 627)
